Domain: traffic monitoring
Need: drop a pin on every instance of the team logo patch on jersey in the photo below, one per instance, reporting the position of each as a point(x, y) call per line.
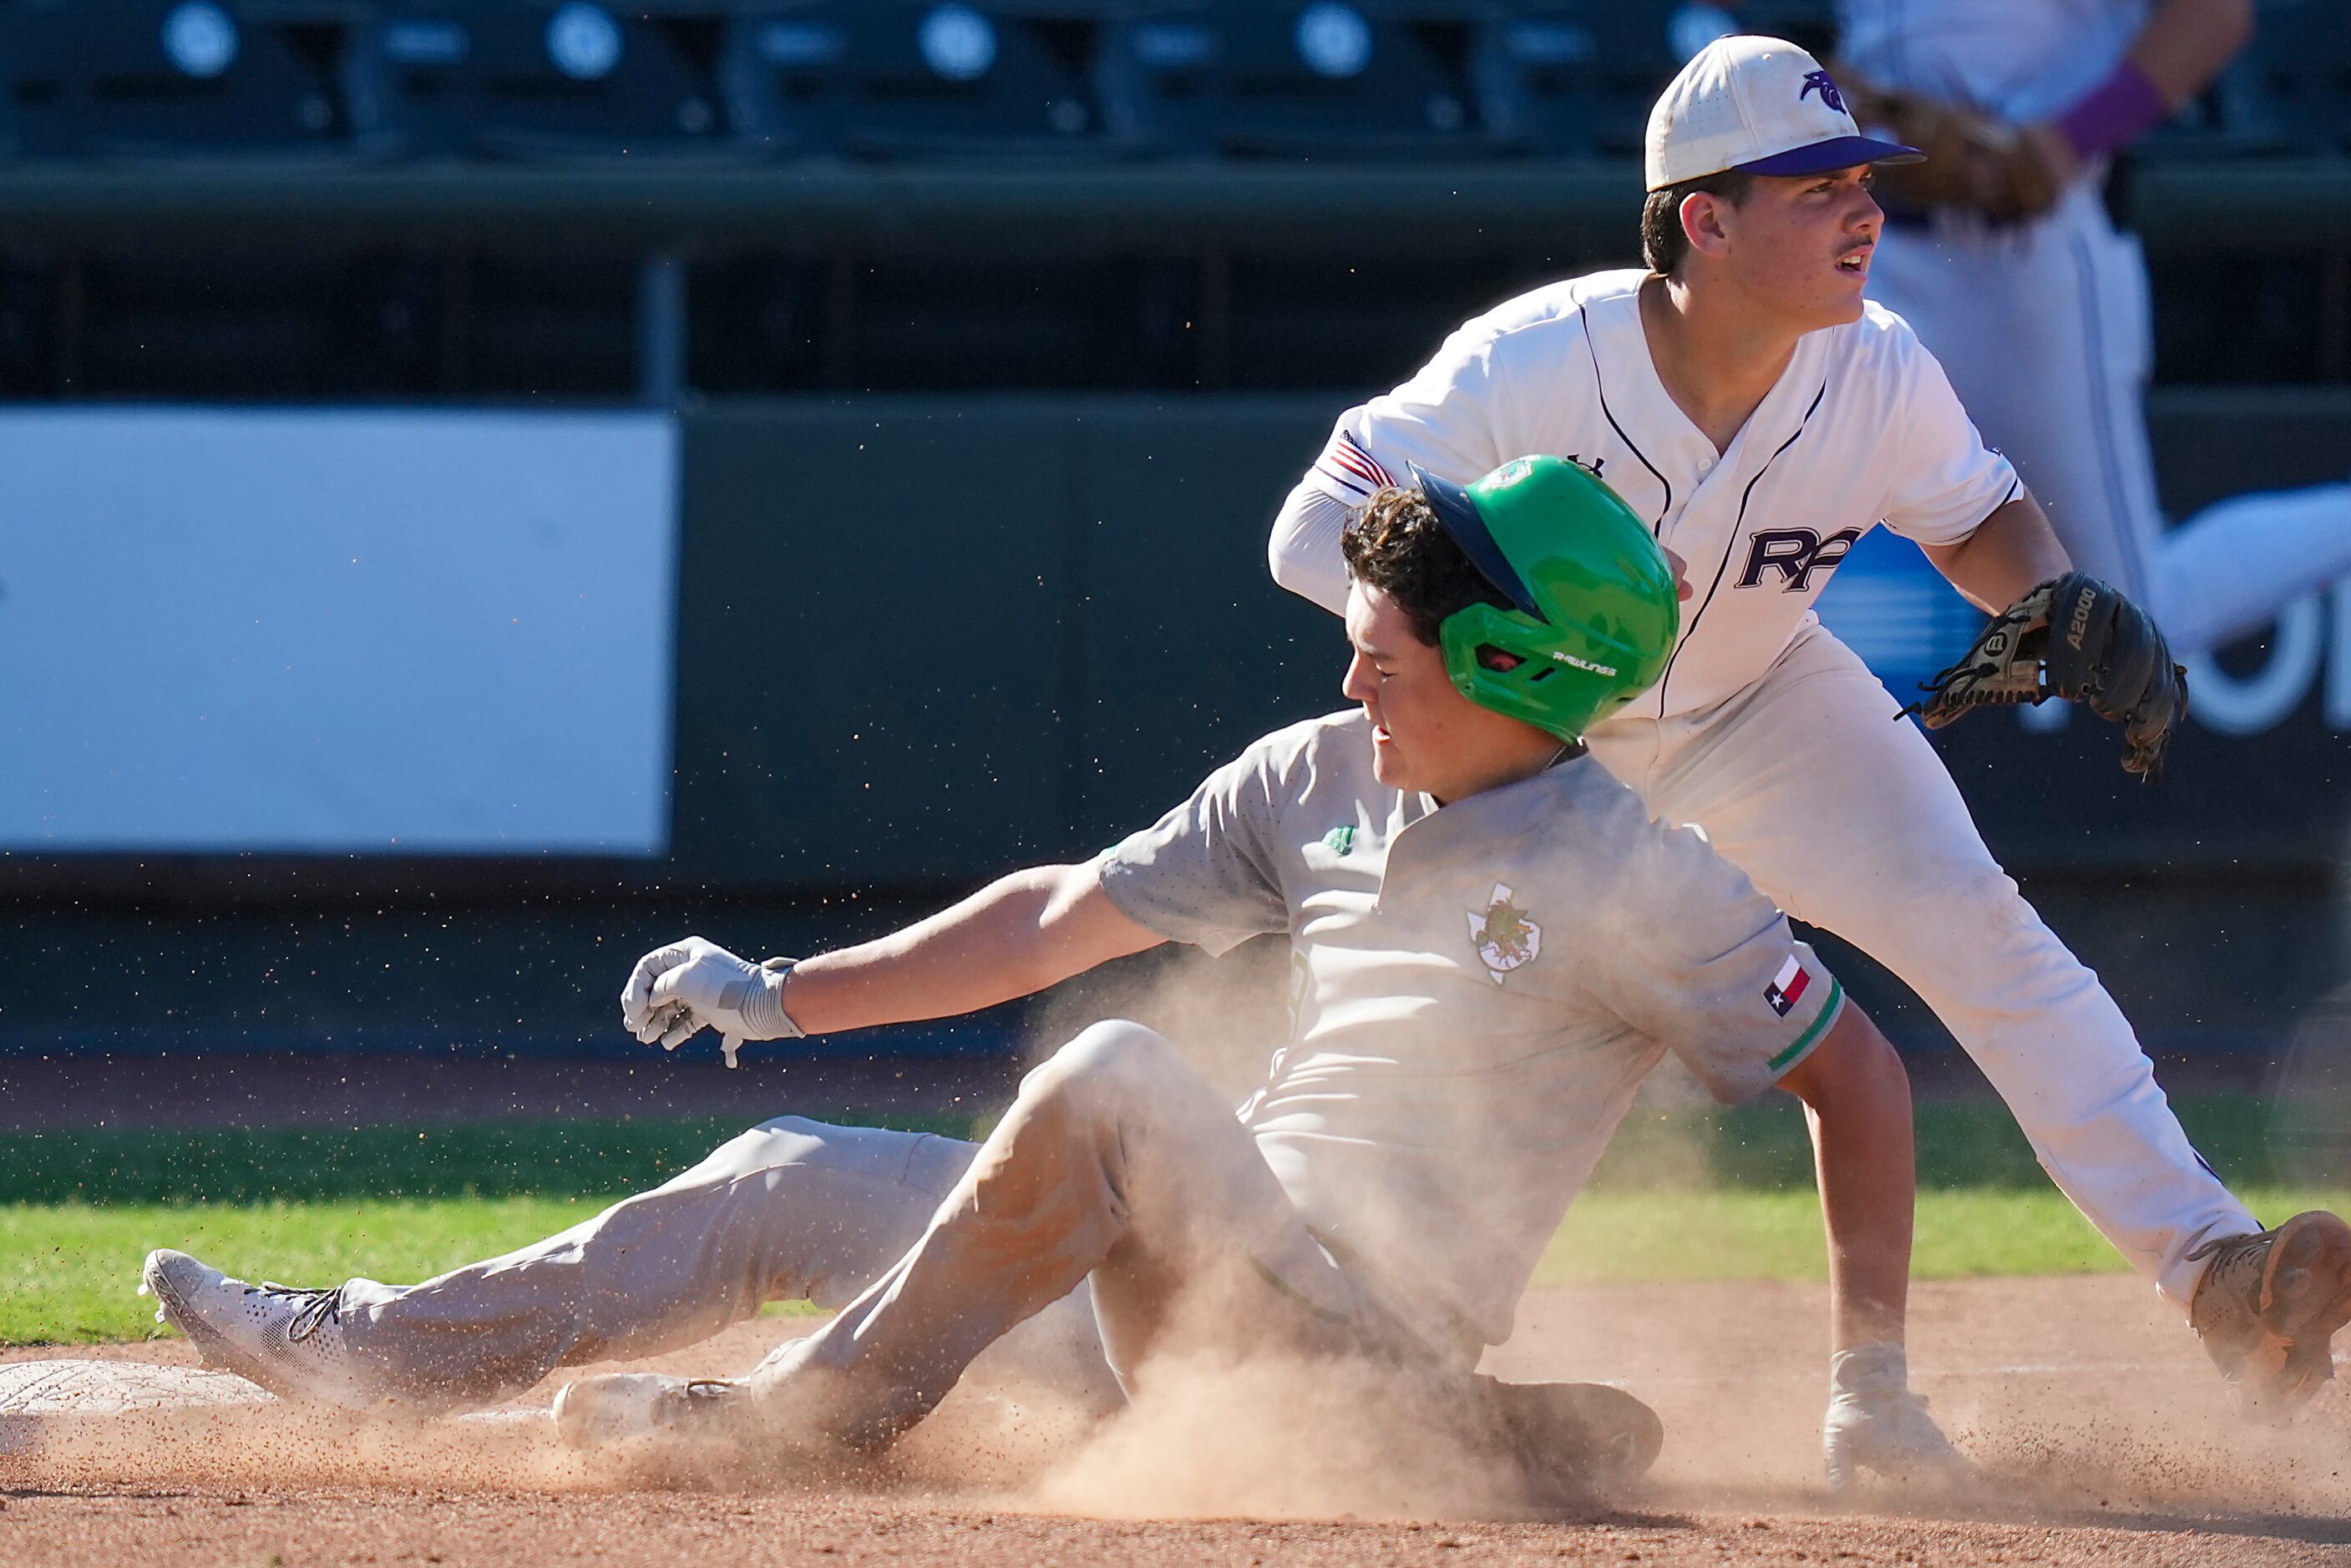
point(1788, 987)
point(1339, 840)
point(1795, 554)
point(1819, 82)
point(1504, 937)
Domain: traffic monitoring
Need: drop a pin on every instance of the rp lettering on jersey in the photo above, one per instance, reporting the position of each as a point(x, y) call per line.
point(1861, 430)
point(1795, 555)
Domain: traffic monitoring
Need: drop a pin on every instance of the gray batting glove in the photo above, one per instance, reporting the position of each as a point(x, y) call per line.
point(1875, 1423)
point(677, 990)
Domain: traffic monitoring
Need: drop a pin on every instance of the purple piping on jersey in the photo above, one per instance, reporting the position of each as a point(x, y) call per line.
point(1731, 545)
point(2126, 530)
point(1601, 388)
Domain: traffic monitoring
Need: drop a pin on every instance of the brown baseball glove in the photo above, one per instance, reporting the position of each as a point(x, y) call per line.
point(1975, 162)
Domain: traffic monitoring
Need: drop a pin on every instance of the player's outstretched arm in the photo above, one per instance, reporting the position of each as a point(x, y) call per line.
point(1019, 934)
point(2175, 56)
point(2008, 554)
point(2186, 42)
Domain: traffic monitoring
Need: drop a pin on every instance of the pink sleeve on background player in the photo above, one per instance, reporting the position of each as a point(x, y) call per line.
point(1945, 479)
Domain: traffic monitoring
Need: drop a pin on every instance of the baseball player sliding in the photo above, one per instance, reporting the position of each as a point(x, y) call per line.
point(1762, 415)
point(1999, 252)
point(1492, 945)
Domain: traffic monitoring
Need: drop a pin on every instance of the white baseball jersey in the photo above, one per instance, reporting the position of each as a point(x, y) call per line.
point(1478, 991)
point(1861, 429)
point(2045, 328)
point(2020, 60)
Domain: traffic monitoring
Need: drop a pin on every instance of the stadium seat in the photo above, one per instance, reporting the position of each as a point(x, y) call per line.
point(162, 78)
point(1334, 79)
point(886, 77)
point(1575, 77)
point(2301, 57)
point(546, 80)
point(1810, 24)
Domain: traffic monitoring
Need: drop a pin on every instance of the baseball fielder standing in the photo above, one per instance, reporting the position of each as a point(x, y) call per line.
point(1761, 416)
point(1999, 252)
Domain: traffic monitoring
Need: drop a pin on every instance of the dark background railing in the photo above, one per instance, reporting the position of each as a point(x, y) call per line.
point(983, 428)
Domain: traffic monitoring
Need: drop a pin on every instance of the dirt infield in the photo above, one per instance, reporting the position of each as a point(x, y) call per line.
point(2103, 1435)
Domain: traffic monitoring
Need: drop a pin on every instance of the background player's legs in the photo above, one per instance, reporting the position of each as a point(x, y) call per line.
point(1119, 1161)
point(2227, 570)
point(1850, 821)
point(2044, 331)
point(790, 1209)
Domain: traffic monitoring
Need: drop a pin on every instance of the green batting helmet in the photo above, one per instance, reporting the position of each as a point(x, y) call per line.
point(1592, 606)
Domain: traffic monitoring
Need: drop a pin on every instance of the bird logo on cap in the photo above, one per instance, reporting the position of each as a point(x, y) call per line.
point(1819, 81)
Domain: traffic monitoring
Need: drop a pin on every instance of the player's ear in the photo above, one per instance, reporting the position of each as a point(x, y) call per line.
point(1701, 216)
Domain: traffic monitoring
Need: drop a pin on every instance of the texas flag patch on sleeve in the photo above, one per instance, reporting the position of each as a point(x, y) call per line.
point(1788, 987)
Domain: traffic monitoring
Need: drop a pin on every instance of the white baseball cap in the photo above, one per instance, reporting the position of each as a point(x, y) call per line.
point(1758, 104)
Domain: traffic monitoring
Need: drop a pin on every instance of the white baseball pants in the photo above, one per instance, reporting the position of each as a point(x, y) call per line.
point(1116, 1161)
point(1846, 818)
point(2043, 328)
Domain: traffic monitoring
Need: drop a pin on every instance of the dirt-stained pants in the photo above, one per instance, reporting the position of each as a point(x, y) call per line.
point(790, 1209)
point(1116, 1162)
point(1116, 1159)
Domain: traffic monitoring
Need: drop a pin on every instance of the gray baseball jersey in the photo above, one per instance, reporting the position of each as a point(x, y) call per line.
point(1477, 992)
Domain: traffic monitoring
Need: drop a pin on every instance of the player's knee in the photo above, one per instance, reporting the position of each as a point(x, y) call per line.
point(1107, 1065)
point(1989, 903)
point(797, 1141)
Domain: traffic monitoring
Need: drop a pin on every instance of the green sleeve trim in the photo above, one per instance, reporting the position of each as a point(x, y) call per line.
point(1812, 1037)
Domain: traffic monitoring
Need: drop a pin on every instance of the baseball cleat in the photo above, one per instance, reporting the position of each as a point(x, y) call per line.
point(1586, 1432)
point(622, 1407)
point(288, 1340)
point(2267, 1308)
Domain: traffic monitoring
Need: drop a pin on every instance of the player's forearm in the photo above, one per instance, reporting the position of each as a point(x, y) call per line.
point(2187, 42)
point(1017, 936)
point(2011, 551)
point(1857, 1103)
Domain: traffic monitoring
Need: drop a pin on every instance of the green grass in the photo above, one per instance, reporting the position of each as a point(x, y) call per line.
point(474, 1159)
point(1753, 1147)
point(67, 1271)
point(70, 1272)
point(1692, 1196)
point(1617, 1236)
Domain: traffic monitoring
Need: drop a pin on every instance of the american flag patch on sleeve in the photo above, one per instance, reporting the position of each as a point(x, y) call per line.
point(1788, 987)
point(1345, 463)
